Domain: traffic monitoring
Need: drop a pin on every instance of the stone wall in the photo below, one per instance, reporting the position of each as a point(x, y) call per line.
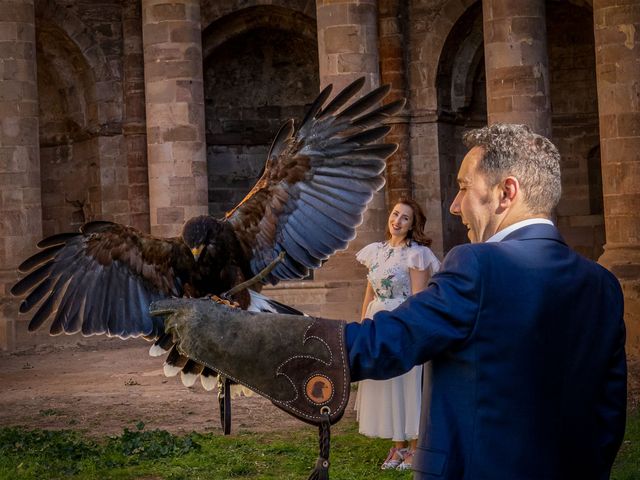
point(254, 82)
point(20, 198)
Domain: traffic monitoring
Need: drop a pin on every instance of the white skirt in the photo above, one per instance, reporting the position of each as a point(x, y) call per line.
point(390, 408)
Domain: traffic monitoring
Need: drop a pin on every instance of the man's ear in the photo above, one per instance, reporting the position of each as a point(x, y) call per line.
point(509, 190)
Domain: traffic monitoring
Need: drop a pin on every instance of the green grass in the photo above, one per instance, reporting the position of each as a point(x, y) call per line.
point(627, 464)
point(154, 455)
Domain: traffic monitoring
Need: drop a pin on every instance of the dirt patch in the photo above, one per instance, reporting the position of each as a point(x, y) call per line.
point(102, 389)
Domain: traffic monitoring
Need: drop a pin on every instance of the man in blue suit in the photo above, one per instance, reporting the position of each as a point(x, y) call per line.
point(525, 337)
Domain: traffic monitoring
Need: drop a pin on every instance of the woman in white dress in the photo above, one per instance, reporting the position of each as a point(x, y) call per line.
point(398, 268)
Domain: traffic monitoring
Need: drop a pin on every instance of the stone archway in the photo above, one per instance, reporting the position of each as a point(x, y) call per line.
point(85, 171)
point(261, 68)
point(461, 92)
point(69, 162)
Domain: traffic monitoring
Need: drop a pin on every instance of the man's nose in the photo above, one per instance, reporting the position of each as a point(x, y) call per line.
point(454, 209)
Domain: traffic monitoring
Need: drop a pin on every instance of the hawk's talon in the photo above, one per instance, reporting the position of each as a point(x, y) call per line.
point(223, 300)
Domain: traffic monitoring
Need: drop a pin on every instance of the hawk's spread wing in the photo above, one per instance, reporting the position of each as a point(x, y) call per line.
point(102, 280)
point(317, 183)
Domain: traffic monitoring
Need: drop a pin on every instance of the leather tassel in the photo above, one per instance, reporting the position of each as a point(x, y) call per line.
point(321, 470)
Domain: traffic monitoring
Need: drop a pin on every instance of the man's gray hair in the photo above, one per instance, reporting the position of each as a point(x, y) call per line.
point(514, 150)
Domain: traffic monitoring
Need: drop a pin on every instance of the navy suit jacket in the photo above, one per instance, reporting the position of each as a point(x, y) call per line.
point(528, 370)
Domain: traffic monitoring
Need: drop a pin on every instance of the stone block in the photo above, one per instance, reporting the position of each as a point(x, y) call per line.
point(167, 115)
point(195, 116)
point(160, 92)
point(357, 62)
point(497, 31)
point(173, 69)
point(531, 103)
point(138, 176)
point(164, 51)
point(199, 169)
point(608, 126)
point(389, 65)
point(628, 124)
point(501, 104)
point(140, 221)
point(170, 216)
point(185, 33)
point(165, 230)
point(621, 177)
point(182, 197)
point(362, 13)
point(343, 39)
point(189, 91)
point(515, 8)
point(154, 33)
point(525, 28)
point(11, 198)
point(506, 56)
point(620, 204)
point(621, 150)
point(17, 11)
point(139, 197)
point(8, 31)
point(181, 133)
point(164, 12)
point(11, 91)
point(389, 26)
point(621, 13)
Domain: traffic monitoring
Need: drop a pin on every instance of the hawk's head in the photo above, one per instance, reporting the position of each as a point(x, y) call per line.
point(201, 232)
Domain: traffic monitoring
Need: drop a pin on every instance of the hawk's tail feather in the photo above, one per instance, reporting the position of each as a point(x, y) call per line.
point(162, 345)
point(208, 379)
point(174, 363)
point(190, 372)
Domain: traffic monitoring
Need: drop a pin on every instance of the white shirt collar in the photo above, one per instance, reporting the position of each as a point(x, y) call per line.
point(499, 236)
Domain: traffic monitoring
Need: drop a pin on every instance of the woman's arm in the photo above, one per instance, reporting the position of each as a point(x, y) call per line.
point(419, 279)
point(368, 297)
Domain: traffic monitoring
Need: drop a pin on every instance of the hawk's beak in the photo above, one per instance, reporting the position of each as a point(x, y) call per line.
point(196, 251)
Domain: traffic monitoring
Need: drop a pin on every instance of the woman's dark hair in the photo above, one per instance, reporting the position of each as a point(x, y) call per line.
point(416, 232)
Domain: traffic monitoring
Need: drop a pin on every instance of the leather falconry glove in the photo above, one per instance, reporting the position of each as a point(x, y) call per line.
point(299, 363)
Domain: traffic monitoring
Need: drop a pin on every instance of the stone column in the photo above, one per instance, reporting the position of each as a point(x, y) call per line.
point(617, 41)
point(133, 123)
point(348, 49)
point(348, 42)
point(174, 95)
point(393, 18)
point(516, 62)
point(20, 205)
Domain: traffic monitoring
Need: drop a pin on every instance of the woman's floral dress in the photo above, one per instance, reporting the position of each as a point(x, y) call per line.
point(391, 408)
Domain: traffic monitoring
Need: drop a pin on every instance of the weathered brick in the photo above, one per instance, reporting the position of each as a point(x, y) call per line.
point(165, 11)
point(343, 39)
